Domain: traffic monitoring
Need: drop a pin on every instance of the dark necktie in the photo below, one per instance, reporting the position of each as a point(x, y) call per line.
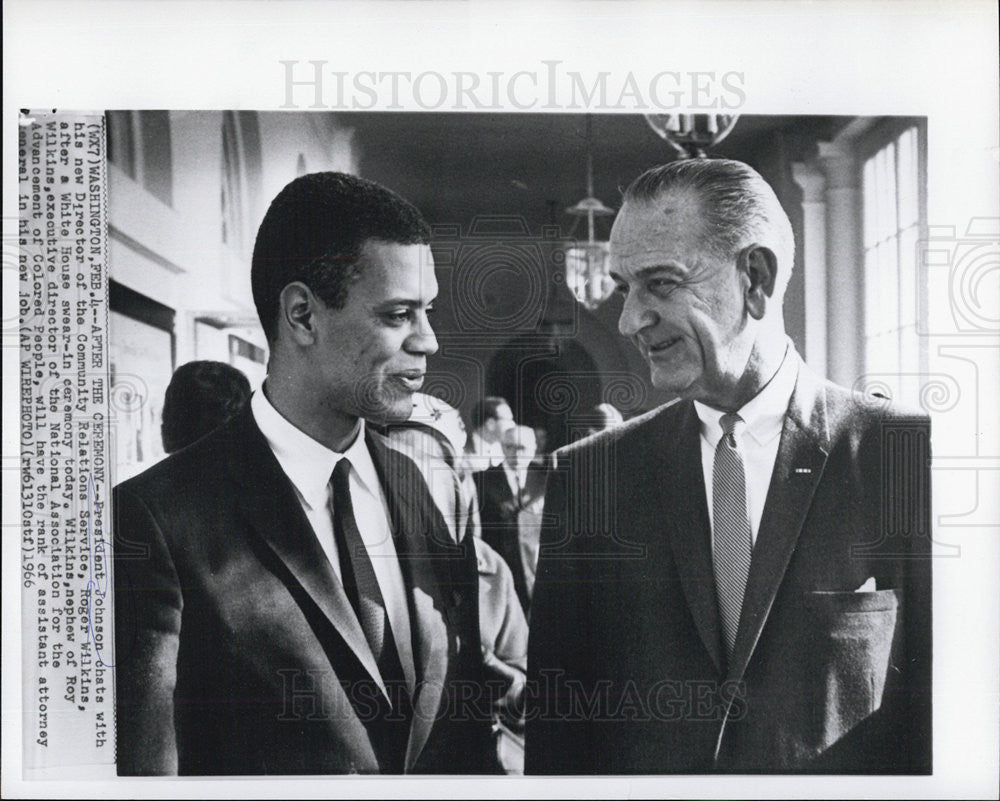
point(361, 585)
point(732, 541)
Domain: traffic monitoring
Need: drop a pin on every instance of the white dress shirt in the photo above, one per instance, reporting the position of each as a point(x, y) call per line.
point(481, 454)
point(529, 522)
point(517, 480)
point(309, 466)
point(758, 435)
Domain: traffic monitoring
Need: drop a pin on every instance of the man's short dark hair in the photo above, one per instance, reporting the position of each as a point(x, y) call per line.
point(314, 231)
point(738, 206)
point(201, 396)
point(486, 409)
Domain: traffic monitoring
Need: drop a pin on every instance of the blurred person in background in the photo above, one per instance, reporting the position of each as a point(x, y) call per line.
point(602, 417)
point(201, 396)
point(511, 495)
point(433, 438)
point(504, 639)
point(490, 418)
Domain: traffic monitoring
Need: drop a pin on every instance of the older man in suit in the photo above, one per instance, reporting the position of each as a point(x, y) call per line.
point(510, 506)
point(737, 581)
point(288, 598)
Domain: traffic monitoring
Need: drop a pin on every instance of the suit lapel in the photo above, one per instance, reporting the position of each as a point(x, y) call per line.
point(802, 453)
point(273, 510)
point(397, 499)
point(535, 484)
point(415, 531)
point(499, 486)
point(689, 537)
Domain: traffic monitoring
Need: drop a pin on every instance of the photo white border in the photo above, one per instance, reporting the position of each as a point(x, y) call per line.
point(932, 59)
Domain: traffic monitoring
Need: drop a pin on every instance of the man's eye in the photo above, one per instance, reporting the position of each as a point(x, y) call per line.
point(661, 285)
point(398, 317)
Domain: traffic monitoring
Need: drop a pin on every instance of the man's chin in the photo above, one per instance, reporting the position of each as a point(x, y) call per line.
point(676, 382)
point(396, 410)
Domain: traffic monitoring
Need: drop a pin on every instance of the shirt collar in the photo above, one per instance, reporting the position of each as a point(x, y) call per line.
point(519, 475)
point(308, 463)
point(764, 414)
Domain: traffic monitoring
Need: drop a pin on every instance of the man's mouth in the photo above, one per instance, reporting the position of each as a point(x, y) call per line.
point(661, 348)
point(412, 380)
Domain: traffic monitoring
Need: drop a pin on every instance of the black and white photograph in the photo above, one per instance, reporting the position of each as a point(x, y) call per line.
point(798, 638)
point(543, 424)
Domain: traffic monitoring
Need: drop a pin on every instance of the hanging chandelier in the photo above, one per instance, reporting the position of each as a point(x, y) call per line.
point(690, 135)
point(587, 270)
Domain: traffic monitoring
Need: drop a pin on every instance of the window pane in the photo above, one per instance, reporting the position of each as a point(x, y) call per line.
point(871, 292)
point(232, 185)
point(121, 142)
point(889, 290)
point(908, 175)
point(891, 214)
point(886, 198)
point(870, 224)
point(157, 162)
point(908, 276)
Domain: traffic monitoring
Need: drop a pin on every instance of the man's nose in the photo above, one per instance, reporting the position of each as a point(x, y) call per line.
point(423, 339)
point(635, 316)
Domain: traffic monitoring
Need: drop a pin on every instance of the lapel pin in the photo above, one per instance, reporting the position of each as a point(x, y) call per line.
point(803, 469)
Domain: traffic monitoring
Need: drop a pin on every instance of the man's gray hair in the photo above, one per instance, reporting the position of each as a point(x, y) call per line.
point(738, 207)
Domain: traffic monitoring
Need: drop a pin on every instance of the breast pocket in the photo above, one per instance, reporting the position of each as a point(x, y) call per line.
point(850, 643)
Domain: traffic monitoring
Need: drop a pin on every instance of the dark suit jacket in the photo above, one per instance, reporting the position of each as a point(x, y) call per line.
point(498, 514)
point(237, 651)
point(626, 667)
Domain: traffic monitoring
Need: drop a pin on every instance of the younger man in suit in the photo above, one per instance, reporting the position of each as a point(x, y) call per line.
point(288, 598)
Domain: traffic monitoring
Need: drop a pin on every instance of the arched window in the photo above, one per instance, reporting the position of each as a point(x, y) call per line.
point(139, 145)
point(891, 229)
point(241, 177)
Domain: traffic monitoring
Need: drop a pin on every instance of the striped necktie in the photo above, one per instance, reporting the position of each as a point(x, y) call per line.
point(360, 583)
point(732, 541)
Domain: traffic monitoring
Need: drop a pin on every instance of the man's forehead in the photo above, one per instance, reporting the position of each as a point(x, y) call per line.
point(656, 226)
point(519, 434)
point(392, 267)
point(397, 254)
point(665, 212)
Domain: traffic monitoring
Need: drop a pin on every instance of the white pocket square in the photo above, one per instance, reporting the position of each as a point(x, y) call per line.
point(868, 586)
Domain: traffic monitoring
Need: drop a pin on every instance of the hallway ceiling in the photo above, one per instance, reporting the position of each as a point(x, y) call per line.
point(455, 166)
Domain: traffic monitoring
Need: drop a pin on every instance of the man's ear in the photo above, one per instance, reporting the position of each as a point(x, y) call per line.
point(297, 306)
point(760, 267)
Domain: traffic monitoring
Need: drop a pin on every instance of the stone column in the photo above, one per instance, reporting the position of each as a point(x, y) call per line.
point(814, 250)
point(845, 271)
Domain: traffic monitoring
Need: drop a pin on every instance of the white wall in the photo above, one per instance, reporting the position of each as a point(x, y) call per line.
point(174, 254)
